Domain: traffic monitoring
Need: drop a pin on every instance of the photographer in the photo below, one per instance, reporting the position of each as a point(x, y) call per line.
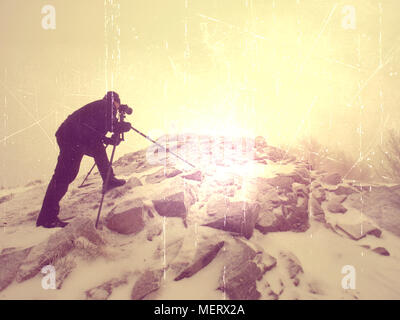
point(82, 133)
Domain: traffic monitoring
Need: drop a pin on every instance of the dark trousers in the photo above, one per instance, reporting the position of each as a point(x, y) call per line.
point(67, 168)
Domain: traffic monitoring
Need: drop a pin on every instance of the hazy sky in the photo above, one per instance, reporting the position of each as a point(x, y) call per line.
point(283, 69)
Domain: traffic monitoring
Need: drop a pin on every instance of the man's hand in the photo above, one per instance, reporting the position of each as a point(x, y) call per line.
point(114, 140)
point(122, 127)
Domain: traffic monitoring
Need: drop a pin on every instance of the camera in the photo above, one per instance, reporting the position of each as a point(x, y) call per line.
point(124, 108)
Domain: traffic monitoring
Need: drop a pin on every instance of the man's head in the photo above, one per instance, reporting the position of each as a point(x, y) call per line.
point(113, 98)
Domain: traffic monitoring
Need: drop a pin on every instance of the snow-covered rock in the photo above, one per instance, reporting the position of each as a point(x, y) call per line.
point(258, 224)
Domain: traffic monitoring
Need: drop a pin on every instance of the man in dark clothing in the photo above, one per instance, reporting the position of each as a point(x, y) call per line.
point(82, 133)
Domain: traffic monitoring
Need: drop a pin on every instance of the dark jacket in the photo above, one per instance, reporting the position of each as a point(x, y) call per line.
point(88, 125)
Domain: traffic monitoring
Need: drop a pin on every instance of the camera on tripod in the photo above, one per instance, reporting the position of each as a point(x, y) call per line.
point(124, 108)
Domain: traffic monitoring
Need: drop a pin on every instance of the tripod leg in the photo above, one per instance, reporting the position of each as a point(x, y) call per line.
point(90, 171)
point(87, 176)
point(105, 186)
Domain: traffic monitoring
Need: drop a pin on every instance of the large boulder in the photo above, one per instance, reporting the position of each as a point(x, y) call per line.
point(174, 200)
point(242, 269)
point(127, 217)
point(359, 230)
point(199, 248)
point(283, 211)
point(147, 283)
point(217, 204)
point(238, 217)
point(296, 216)
point(272, 221)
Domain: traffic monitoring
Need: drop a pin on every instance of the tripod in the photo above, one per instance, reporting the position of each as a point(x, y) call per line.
point(104, 190)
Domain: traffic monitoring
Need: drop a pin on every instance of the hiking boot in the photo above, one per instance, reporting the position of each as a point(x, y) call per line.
point(55, 223)
point(113, 183)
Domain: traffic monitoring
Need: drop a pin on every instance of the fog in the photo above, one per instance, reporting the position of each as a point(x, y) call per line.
point(283, 69)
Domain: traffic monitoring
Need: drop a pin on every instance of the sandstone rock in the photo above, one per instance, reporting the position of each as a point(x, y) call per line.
point(291, 215)
point(10, 263)
point(292, 265)
point(217, 204)
point(317, 212)
point(240, 218)
point(333, 179)
point(196, 253)
point(240, 273)
point(336, 207)
point(174, 200)
point(382, 251)
point(319, 194)
point(162, 174)
point(149, 282)
point(196, 175)
point(153, 231)
point(103, 291)
point(296, 217)
point(300, 189)
point(343, 190)
point(269, 199)
point(271, 221)
point(172, 205)
point(299, 176)
point(283, 183)
point(359, 230)
point(127, 217)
